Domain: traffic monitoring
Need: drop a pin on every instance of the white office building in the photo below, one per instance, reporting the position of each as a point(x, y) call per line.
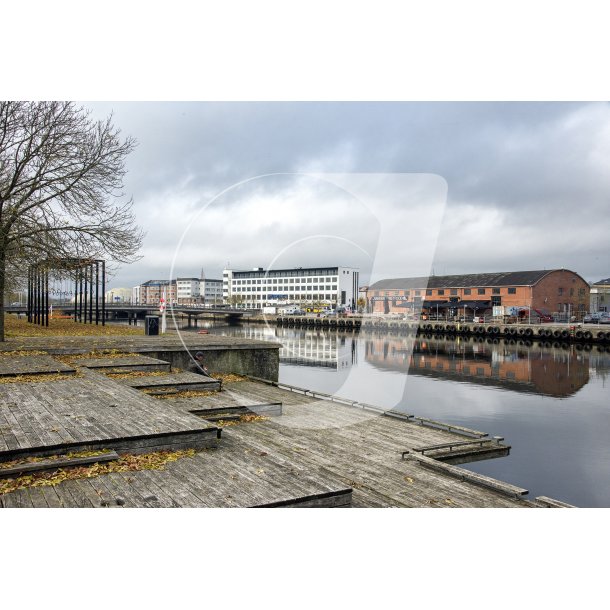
point(187, 290)
point(303, 286)
point(211, 291)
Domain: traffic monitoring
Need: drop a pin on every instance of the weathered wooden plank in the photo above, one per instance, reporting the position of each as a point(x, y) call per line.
point(37, 498)
point(551, 502)
point(51, 496)
point(55, 464)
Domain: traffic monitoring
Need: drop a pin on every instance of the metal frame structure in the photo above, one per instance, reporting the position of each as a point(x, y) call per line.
point(89, 276)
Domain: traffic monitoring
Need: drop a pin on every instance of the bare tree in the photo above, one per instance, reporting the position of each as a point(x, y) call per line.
point(61, 181)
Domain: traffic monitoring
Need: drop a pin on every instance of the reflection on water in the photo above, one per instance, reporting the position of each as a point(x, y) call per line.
point(551, 372)
point(303, 347)
point(550, 403)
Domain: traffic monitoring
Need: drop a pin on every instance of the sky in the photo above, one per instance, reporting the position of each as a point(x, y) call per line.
point(453, 187)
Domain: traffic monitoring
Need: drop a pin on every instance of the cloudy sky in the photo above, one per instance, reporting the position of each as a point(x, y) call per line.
point(451, 187)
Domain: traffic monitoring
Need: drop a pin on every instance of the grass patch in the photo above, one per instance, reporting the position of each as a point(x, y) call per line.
point(20, 327)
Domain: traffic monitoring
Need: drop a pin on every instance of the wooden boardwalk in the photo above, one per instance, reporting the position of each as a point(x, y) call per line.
point(174, 381)
point(128, 363)
point(11, 366)
point(91, 411)
point(234, 475)
point(302, 451)
point(362, 450)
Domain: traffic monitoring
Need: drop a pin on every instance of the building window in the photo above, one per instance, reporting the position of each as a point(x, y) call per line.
point(481, 290)
point(512, 291)
point(428, 293)
point(467, 291)
point(559, 292)
point(495, 291)
point(454, 291)
point(441, 292)
point(417, 293)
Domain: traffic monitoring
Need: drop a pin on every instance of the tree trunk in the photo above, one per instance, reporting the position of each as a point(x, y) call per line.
point(2, 284)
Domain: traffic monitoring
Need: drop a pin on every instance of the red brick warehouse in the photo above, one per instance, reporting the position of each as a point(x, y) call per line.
point(549, 290)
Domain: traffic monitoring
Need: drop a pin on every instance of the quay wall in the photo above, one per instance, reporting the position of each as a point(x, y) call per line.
point(534, 332)
point(256, 362)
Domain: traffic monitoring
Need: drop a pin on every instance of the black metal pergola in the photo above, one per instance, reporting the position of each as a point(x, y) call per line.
point(88, 275)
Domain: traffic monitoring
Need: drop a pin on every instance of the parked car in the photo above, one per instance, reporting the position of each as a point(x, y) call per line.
point(592, 318)
point(299, 312)
point(604, 318)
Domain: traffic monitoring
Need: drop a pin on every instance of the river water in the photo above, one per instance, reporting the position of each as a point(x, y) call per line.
point(551, 404)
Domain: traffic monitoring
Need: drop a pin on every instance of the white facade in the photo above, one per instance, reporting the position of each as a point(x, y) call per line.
point(187, 289)
point(211, 291)
point(135, 295)
point(258, 288)
point(600, 296)
point(119, 295)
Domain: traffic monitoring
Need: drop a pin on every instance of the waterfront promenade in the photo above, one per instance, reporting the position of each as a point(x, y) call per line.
point(243, 443)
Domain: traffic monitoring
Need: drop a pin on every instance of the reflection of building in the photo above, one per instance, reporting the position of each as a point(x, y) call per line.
point(556, 290)
point(256, 288)
point(513, 367)
point(309, 347)
point(600, 296)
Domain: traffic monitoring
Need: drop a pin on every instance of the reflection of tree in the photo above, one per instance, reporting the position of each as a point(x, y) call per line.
point(361, 304)
point(386, 305)
point(236, 299)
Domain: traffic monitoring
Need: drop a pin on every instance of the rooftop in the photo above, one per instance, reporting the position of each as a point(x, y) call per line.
point(504, 278)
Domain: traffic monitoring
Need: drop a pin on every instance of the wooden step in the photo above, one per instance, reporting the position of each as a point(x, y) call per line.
point(126, 364)
point(174, 382)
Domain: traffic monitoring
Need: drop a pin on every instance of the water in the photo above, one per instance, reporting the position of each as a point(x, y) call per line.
point(551, 404)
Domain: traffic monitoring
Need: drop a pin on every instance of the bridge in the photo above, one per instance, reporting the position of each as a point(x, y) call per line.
point(134, 311)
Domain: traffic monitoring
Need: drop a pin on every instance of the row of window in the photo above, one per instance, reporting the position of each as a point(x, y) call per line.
point(309, 280)
point(295, 273)
point(444, 291)
point(581, 292)
point(288, 288)
point(295, 297)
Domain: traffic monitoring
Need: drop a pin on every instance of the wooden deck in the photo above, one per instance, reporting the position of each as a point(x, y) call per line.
point(172, 381)
point(234, 475)
point(356, 447)
point(11, 366)
point(302, 451)
point(91, 412)
point(129, 363)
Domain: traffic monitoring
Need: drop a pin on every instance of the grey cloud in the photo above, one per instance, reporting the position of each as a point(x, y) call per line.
point(541, 166)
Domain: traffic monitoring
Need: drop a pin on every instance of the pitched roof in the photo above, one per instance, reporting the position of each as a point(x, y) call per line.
point(602, 282)
point(470, 280)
